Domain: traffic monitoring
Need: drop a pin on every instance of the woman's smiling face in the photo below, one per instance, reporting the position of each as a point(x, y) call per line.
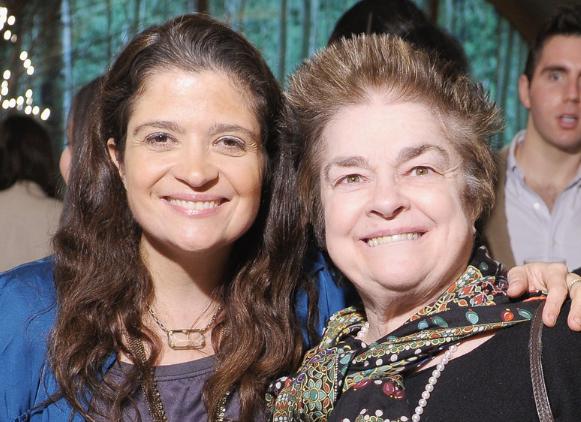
point(391, 189)
point(193, 162)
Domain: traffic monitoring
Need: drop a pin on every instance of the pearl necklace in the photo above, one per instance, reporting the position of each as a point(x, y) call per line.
point(423, 402)
point(432, 381)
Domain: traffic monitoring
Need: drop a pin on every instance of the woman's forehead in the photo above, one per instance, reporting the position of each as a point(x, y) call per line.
point(399, 129)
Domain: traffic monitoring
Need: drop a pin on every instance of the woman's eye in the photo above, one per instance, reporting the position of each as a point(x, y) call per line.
point(421, 171)
point(158, 139)
point(231, 144)
point(350, 179)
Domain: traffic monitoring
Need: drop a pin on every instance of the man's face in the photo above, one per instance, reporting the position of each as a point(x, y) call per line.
point(552, 96)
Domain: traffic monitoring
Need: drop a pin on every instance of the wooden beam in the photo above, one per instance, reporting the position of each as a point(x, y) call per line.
point(433, 10)
point(523, 19)
point(202, 6)
point(527, 16)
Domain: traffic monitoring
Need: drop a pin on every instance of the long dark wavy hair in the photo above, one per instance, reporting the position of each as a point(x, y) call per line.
point(103, 286)
point(81, 112)
point(26, 154)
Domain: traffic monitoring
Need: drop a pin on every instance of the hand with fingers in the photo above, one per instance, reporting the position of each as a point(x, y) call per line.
point(557, 281)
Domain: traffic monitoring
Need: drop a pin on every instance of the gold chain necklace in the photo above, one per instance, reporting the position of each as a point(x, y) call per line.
point(185, 338)
point(151, 392)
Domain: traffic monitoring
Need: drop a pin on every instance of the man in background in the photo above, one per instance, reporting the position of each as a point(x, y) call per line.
point(537, 216)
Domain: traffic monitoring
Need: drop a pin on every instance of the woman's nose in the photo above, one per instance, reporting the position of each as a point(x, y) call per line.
point(195, 167)
point(388, 199)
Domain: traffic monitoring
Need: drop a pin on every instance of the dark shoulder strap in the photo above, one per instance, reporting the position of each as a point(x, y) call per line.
point(537, 376)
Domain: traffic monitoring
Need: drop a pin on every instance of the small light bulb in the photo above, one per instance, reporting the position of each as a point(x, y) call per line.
point(30, 70)
point(28, 109)
point(45, 114)
point(23, 55)
point(35, 110)
point(6, 74)
point(4, 90)
point(26, 63)
point(20, 100)
point(7, 34)
point(11, 20)
point(12, 103)
point(13, 38)
point(5, 104)
point(28, 93)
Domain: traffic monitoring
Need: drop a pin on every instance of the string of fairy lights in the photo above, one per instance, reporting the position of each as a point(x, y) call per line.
point(24, 102)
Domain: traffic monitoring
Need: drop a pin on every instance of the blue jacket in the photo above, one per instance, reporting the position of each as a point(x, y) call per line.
point(28, 311)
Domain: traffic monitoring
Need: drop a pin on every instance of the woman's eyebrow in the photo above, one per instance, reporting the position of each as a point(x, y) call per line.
point(159, 124)
point(228, 127)
point(409, 153)
point(351, 161)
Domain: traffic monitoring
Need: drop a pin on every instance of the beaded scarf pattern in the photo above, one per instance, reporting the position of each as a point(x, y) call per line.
point(344, 379)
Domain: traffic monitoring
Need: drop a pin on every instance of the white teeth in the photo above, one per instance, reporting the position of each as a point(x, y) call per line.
point(194, 205)
point(376, 241)
point(569, 119)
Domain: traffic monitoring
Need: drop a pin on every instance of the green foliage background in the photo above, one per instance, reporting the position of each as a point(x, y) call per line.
point(286, 31)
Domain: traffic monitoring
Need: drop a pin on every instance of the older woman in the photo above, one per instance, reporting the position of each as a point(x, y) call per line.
point(157, 306)
point(393, 170)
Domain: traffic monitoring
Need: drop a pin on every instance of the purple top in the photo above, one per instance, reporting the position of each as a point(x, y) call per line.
point(180, 386)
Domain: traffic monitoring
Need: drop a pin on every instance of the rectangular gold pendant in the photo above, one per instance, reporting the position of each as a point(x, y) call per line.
point(191, 339)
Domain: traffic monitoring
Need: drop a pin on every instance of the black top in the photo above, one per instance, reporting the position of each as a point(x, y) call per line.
point(502, 365)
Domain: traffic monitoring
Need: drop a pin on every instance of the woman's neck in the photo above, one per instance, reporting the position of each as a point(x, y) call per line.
point(184, 283)
point(385, 313)
point(388, 316)
point(185, 295)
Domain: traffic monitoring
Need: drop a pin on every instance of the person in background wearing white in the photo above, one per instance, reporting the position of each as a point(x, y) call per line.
point(29, 211)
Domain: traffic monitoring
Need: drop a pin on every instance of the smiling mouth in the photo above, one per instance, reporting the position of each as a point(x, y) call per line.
point(376, 241)
point(194, 205)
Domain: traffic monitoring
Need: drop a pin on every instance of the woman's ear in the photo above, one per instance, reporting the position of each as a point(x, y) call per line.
point(115, 157)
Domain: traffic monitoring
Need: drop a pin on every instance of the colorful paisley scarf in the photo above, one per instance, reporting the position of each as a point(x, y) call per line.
point(345, 379)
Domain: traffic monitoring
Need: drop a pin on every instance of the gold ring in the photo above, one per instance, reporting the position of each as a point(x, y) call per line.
point(571, 284)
